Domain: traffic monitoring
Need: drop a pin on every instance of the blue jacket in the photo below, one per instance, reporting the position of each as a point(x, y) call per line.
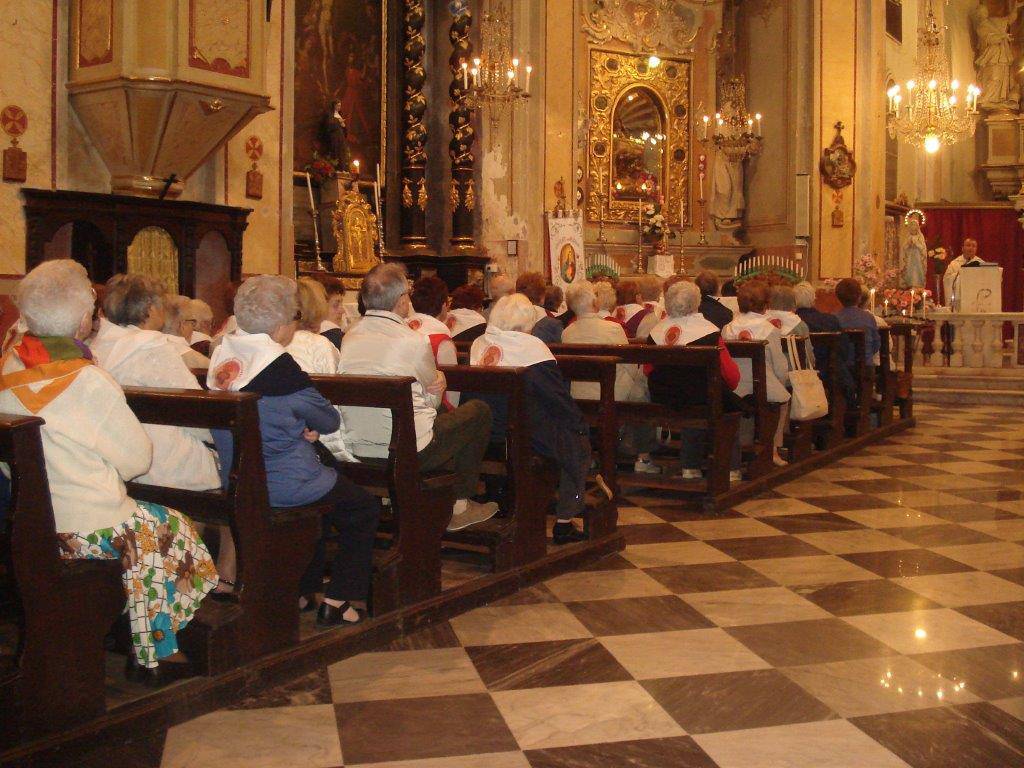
point(856, 318)
point(289, 404)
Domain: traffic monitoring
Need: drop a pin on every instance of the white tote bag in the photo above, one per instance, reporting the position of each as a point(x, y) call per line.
point(809, 401)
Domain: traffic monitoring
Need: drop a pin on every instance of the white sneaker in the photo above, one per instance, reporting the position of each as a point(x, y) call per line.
point(691, 474)
point(646, 467)
point(472, 514)
point(735, 476)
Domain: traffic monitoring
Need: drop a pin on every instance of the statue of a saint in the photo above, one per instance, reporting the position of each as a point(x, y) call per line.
point(727, 200)
point(334, 134)
point(999, 90)
point(913, 254)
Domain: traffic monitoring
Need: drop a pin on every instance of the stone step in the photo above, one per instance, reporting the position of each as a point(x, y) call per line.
point(969, 382)
point(963, 396)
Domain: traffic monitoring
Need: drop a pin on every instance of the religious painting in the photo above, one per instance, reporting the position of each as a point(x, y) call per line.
point(638, 147)
point(339, 68)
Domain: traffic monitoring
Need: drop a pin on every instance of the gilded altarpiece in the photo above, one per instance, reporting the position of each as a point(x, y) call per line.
point(614, 78)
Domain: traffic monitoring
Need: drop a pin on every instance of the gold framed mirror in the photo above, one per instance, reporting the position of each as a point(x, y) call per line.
point(638, 146)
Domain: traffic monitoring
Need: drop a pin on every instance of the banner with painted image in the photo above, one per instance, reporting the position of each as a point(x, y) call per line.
point(566, 258)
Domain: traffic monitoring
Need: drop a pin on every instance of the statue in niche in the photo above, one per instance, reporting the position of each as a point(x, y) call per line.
point(334, 132)
point(1000, 92)
point(727, 200)
point(913, 252)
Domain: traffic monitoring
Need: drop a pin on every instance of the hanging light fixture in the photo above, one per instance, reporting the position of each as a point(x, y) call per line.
point(934, 111)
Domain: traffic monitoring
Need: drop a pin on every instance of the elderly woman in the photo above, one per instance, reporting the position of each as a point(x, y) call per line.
point(201, 339)
point(92, 444)
point(429, 297)
point(293, 414)
point(606, 300)
point(684, 325)
point(465, 315)
point(557, 428)
point(630, 382)
point(752, 324)
point(822, 322)
point(782, 314)
point(630, 311)
point(179, 323)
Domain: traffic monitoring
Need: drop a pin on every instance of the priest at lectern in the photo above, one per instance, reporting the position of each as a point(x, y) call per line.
point(951, 283)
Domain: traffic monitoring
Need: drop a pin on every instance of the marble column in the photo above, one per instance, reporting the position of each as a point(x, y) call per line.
point(463, 196)
point(414, 130)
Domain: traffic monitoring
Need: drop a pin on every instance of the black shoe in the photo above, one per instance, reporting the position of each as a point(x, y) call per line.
point(310, 603)
point(157, 677)
point(331, 616)
point(567, 533)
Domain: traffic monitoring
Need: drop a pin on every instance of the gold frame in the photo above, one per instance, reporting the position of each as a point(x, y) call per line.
point(612, 74)
point(355, 230)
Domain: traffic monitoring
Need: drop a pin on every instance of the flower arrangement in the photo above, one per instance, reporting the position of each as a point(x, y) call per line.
point(654, 222)
point(938, 253)
point(322, 168)
point(601, 270)
point(903, 299)
point(865, 269)
point(769, 275)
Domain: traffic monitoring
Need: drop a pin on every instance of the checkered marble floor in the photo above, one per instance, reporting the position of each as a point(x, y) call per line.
point(870, 614)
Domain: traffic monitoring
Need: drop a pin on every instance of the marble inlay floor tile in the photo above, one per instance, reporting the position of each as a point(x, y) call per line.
point(812, 489)
point(1014, 706)
point(944, 535)
point(891, 517)
point(612, 562)
point(844, 542)
point(1008, 618)
point(518, 624)
point(875, 686)
point(941, 738)
point(870, 461)
point(604, 585)
point(438, 726)
point(303, 737)
point(632, 615)
point(845, 503)
point(730, 528)
point(440, 635)
point(1007, 529)
point(1016, 575)
point(819, 569)
point(987, 557)
point(1015, 505)
point(490, 760)
point(817, 641)
point(678, 752)
point(813, 523)
point(887, 484)
point(544, 718)
point(917, 499)
point(637, 516)
point(683, 579)
point(772, 507)
point(906, 561)
point(673, 553)
point(736, 607)
point(761, 547)
point(966, 467)
point(938, 629)
point(851, 598)
point(653, 533)
point(541, 665)
point(961, 484)
point(675, 654)
point(824, 744)
point(735, 701)
point(968, 514)
point(404, 674)
point(838, 474)
point(969, 588)
point(311, 689)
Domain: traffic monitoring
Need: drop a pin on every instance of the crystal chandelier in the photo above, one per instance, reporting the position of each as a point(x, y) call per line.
point(498, 77)
point(933, 112)
point(735, 132)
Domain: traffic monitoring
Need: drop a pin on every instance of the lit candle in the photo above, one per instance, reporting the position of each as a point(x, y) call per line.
point(750, 125)
point(873, 300)
point(706, 120)
point(465, 76)
point(309, 188)
point(913, 298)
point(476, 77)
point(511, 76)
point(355, 167)
point(885, 307)
point(758, 118)
point(515, 71)
point(529, 71)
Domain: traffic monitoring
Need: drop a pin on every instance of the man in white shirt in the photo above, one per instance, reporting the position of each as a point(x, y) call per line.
point(381, 344)
point(969, 257)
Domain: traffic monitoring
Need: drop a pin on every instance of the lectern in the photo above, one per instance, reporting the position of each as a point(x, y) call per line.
point(979, 290)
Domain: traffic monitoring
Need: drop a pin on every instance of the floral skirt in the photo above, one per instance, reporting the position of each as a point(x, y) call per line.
point(166, 569)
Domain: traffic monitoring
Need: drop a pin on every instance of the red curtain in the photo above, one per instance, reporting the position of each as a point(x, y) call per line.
point(1000, 239)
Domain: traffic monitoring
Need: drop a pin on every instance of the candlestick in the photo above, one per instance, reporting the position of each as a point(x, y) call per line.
point(873, 301)
point(476, 77)
point(355, 167)
point(515, 71)
point(529, 71)
point(758, 118)
point(315, 215)
point(706, 120)
point(465, 76)
point(309, 188)
point(913, 297)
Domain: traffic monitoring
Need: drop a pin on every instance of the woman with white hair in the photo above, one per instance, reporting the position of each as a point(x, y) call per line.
point(293, 415)
point(557, 428)
point(677, 388)
point(92, 444)
point(824, 322)
point(606, 300)
point(179, 324)
point(782, 314)
point(630, 382)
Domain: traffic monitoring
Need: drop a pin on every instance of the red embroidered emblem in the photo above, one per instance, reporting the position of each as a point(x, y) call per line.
point(620, 314)
point(226, 373)
point(672, 335)
point(450, 322)
point(746, 336)
point(415, 324)
point(776, 322)
point(491, 356)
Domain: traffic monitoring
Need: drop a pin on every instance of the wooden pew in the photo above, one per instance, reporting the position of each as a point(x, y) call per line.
point(274, 546)
point(521, 537)
point(421, 501)
point(885, 380)
point(721, 426)
point(766, 415)
point(832, 431)
point(858, 416)
point(903, 337)
point(799, 440)
point(67, 606)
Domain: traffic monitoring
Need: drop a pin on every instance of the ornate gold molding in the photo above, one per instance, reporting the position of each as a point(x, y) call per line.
point(646, 25)
point(612, 74)
point(355, 231)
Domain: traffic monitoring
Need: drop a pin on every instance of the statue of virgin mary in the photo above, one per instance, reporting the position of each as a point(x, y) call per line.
point(914, 252)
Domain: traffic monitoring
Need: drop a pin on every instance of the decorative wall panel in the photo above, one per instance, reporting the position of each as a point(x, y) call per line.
point(219, 36)
point(95, 32)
